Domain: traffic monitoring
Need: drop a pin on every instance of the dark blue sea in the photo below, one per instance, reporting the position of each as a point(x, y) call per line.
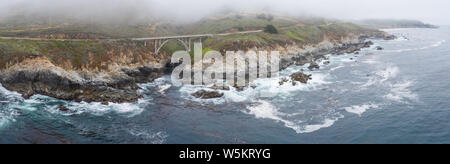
point(398, 95)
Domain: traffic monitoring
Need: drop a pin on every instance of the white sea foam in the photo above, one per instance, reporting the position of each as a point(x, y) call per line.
point(149, 136)
point(265, 110)
point(388, 73)
point(312, 128)
point(336, 68)
point(371, 60)
point(265, 87)
point(400, 92)
point(360, 109)
point(164, 88)
point(7, 116)
point(437, 44)
point(96, 108)
point(10, 94)
point(8, 113)
point(382, 76)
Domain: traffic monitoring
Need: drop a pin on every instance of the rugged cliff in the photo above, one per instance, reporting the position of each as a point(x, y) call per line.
point(76, 70)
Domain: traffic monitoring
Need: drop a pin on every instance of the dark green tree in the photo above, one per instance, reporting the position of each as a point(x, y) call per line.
point(271, 29)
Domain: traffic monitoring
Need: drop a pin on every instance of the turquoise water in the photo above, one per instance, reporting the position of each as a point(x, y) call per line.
point(398, 95)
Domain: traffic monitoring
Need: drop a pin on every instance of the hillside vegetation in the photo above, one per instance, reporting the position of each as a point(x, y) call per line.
point(90, 52)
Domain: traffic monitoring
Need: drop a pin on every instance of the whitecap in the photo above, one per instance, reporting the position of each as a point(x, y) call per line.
point(360, 109)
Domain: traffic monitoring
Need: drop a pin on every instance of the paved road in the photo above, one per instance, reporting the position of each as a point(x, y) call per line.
point(141, 39)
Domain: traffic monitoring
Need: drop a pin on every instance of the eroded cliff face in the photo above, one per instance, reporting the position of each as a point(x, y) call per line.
point(38, 75)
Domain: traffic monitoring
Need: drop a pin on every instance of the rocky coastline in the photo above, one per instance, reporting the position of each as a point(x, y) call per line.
point(39, 76)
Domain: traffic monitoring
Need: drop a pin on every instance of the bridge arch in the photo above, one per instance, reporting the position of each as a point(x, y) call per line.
point(185, 40)
point(185, 43)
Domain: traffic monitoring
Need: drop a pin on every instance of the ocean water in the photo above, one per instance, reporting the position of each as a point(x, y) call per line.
point(398, 95)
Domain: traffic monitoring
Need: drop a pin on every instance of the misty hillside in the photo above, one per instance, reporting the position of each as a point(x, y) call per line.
point(393, 23)
point(247, 21)
point(71, 28)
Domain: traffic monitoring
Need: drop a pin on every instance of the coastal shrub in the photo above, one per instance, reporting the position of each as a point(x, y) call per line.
point(271, 29)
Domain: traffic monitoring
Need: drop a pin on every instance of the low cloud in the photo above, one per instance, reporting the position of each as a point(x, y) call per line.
point(130, 11)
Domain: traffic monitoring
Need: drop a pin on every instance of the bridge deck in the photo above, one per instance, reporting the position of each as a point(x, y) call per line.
point(174, 37)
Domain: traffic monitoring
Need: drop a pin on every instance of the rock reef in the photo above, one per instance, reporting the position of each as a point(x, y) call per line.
point(203, 94)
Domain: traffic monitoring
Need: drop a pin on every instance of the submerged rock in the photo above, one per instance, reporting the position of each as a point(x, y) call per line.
point(239, 88)
point(379, 48)
point(63, 108)
point(203, 94)
point(390, 37)
point(284, 80)
point(218, 87)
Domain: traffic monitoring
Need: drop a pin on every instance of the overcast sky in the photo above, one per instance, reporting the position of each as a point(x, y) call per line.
point(430, 11)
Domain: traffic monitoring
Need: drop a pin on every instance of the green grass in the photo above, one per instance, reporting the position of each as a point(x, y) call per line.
point(237, 23)
point(290, 34)
point(80, 54)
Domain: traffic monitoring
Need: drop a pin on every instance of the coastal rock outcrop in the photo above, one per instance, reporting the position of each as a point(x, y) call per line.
point(63, 108)
point(296, 77)
point(313, 66)
point(219, 87)
point(300, 77)
point(40, 76)
point(203, 94)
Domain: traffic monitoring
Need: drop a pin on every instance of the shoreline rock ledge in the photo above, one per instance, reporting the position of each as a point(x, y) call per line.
point(204, 94)
point(40, 76)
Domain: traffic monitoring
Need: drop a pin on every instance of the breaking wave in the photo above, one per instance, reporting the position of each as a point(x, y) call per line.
point(400, 92)
point(263, 88)
point(8, 100)
point(265, 110)
point(15, 102)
